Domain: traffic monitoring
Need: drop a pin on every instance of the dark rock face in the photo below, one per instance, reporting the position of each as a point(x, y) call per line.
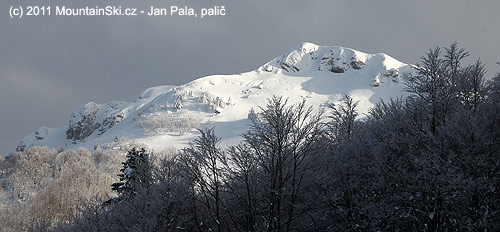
point(337, 69)
point(109, 122)
point(92, 118)
point(357, 64)
point(289, 67)
point(309, 56)
point(84, 127)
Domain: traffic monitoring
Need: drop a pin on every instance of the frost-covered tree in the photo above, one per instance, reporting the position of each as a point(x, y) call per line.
point(204, 161)
point(283, 143)
point(342, 119)
point(471, 86)
point(178, 103)
point(72, 178)
point(444, 84)
point(34, 169)
point(244, 186)
point(432, 88)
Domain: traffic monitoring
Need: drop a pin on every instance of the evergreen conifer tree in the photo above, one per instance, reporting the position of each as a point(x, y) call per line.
point(135, 174)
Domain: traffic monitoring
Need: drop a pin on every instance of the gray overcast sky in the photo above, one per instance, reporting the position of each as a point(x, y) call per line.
point(51, 65)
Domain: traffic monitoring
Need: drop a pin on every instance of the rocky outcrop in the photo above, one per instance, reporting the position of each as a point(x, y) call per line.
point(308, 56)
point(82, 122)
point(92, 118)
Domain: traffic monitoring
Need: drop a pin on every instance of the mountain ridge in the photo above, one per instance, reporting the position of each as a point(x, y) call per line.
point(168, 114)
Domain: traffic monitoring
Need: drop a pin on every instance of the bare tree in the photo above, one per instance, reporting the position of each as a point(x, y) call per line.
point(431, 88)
point(204, 162)
point(472, 88)
point(342, 119)
point(243, 183)
point(282, 140)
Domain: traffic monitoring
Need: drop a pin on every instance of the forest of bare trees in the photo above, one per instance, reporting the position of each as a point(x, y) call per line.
point(428, 162)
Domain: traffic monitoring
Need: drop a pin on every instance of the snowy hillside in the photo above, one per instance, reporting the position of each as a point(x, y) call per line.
point(167, 116)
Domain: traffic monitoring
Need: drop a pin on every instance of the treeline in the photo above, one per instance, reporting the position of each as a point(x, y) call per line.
point(429, 162)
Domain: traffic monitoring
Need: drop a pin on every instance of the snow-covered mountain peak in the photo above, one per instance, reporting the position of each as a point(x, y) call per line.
point(307, 57)
point(166, 116)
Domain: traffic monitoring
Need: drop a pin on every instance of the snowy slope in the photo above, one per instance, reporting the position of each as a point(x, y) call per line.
point(166, 116)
